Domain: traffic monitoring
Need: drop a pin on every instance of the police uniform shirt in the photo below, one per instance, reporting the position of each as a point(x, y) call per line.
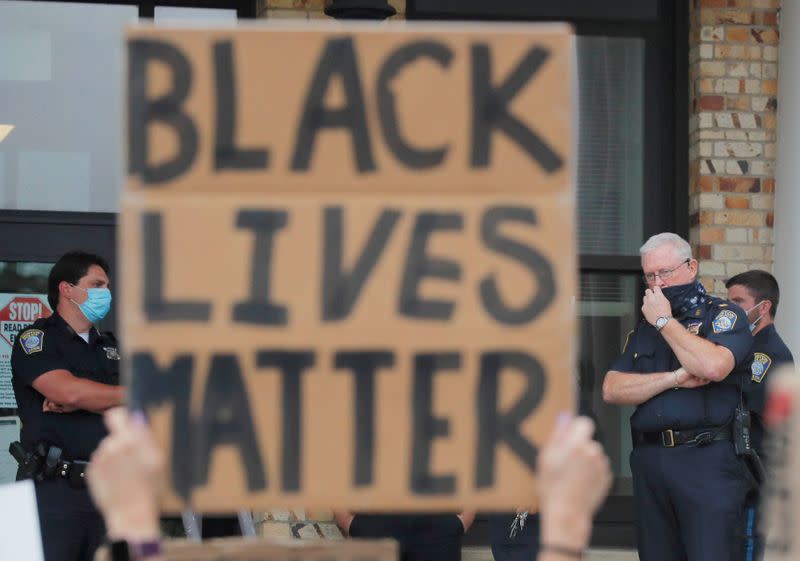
point(769, 350)
point(711, 405)
point(51, 344)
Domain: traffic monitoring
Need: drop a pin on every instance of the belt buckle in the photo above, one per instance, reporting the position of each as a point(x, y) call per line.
point(668, 442)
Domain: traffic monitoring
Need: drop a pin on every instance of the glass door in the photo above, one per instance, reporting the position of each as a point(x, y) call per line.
point(23, 300)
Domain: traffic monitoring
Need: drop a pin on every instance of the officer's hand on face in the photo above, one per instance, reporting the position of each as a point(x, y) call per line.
point(50, 406)
point(124, 477)
point(686, 380)
point(655, 305)
point(574, 476)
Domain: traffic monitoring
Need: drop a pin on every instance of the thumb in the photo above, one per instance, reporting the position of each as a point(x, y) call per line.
point(563, 422)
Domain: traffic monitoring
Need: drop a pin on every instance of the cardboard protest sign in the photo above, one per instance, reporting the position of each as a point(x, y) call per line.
point(245, 549)
point(781, 496)
point(348, 256)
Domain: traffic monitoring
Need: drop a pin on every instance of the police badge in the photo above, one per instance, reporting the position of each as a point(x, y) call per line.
point(111, 353)
point(32, 341)
point(761, 364)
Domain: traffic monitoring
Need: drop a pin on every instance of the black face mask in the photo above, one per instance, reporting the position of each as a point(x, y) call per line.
point(685, 297)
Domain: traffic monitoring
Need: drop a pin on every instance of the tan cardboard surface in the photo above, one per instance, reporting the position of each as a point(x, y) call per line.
point(433, 100)
point(239, 549)
point(494, 274)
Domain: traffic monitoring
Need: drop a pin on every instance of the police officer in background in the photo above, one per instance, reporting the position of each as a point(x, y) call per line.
point(757, 293)
point(683, 367)
point(65, 373)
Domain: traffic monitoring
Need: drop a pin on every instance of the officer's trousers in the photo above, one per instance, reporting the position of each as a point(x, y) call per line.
point(72, 528)
point(524, 546)
point(754, 537)
point(689, 502)
point(422, 537)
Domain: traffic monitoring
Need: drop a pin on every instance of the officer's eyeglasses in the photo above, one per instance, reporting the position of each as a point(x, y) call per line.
point(664, 274)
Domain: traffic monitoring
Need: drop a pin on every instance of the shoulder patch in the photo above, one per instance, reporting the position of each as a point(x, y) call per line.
point(724, 321)
point(627, 341)
point(761, 363)
point(32, 341)
point(694, 327)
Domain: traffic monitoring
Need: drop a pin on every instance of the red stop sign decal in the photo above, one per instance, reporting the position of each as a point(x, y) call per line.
point(19, 313)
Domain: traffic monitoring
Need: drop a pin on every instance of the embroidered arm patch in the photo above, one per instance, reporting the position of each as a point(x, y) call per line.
point(761, 363)
point(724, 321)
point(32, 341)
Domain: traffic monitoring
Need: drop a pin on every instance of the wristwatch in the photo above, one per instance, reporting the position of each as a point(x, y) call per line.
point(662, 321)
point(123, 550)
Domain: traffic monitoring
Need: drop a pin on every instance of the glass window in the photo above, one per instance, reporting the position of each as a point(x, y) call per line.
point(61, 68)
point(610, 144)
point(610, 223)
point(23, 299)
point(607, 312)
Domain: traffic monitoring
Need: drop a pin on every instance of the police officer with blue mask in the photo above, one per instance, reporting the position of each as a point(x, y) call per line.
point(757, 292)
point(683, 368)
point(65, 373)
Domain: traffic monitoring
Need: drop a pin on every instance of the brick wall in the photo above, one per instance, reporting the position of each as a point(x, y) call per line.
point(307, 9)
point(732, 87)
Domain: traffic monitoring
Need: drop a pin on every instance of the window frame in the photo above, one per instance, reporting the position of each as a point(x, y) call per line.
point(245, 9)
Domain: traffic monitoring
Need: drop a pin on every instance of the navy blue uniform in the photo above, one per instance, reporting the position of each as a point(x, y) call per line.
point(689, 498)
point(524, 546)
point(769, 351)
point(71, 526)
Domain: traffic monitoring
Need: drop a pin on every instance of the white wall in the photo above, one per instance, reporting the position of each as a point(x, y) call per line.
point(787, 189)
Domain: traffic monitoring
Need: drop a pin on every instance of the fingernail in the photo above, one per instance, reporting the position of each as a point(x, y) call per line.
point(139, 418)
point(563, 419)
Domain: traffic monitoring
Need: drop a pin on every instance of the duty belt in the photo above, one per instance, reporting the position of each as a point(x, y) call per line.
point(45, 463)
point(694, 437)
point(74, 472)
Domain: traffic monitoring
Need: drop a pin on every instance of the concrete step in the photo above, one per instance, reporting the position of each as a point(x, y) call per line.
point(485, 554)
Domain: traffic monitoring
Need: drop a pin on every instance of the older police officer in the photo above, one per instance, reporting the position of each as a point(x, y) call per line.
point(683, 367)
point(65, 372)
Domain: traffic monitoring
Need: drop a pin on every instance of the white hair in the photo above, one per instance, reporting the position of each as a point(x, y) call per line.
point(682, 248)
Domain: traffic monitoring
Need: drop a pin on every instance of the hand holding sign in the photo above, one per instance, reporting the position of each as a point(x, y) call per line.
point(124, 478)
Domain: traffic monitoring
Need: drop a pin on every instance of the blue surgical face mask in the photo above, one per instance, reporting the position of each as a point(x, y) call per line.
point(755, 323)
point(97, 304)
